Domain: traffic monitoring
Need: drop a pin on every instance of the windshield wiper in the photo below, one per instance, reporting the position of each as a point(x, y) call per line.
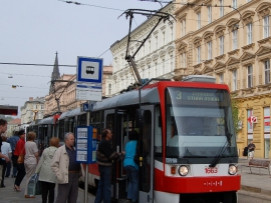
point(219, 156)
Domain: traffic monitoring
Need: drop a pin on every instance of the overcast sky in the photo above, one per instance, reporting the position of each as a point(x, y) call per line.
point(31, 31)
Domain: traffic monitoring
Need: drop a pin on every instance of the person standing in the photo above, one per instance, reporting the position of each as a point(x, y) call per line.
point(13, 141)
point(67, 171)
point(30, 160)
point(19, 151)
point(251, 148)
point(105, 156)
point(3, 129)
point(131, 168)
point(6, 150)
point(46, 175)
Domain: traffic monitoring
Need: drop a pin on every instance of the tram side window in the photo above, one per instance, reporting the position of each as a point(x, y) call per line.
point(110, 121)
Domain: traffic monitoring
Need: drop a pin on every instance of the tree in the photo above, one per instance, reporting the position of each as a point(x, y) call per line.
point(235, 113)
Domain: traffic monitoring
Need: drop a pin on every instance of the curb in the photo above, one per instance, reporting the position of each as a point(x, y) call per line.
point(256, 190)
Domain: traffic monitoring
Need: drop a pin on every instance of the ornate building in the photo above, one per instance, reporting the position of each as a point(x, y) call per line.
point(32, 110)
point(231, 40)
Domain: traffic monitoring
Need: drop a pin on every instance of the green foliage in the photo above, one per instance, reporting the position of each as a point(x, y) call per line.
point(235, 114)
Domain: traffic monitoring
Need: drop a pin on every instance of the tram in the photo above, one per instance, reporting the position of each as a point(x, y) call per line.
point(188, 150)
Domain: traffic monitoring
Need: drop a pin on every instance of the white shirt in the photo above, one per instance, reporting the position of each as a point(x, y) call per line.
point(6, 149)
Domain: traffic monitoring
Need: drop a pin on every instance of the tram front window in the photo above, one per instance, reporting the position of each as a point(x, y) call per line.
point(199, 123)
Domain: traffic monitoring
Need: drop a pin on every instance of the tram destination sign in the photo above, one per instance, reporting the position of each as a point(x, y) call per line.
point(202, 96)
point(89, 79)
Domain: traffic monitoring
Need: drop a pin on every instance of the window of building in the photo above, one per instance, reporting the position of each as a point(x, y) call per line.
point(221, 45)
point(249, 124)
point(183, 60)
point(199, 19)
point(267, 71)
point(156, 41)
point(249, 33)
point(234, 4)
point(198, 54)
point(171, 33)
point(183, 27)
point(221, 78)
point(209, 50)
point(164, 37)
point(266, 119)
point(249, 76)
point(266, 26)
point(221, 9)
point(234, 80)
point(149, 46)
point(209, 8)
point(163, 71)
point(234, 38)
point(156, 69)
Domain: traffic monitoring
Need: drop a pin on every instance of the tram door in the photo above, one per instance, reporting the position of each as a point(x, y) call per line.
point(147, 145)
point(114, 121)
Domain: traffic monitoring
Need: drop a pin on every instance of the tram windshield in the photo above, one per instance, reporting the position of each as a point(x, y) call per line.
point(199, 123)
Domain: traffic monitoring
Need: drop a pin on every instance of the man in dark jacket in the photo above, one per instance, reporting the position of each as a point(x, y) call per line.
point(105, 156)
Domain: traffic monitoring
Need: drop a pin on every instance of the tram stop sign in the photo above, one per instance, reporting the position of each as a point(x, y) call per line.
point(89, 79)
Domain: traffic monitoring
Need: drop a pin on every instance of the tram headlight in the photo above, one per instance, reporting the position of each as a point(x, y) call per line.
point(232, 169)
point(183, 170)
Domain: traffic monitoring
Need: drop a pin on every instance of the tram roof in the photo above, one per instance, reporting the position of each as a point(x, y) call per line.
point(128, 98)
point(46, 121)
point(70, 113)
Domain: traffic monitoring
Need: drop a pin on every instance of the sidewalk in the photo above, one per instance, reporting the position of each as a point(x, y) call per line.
point(257, 184)
point(8, 195)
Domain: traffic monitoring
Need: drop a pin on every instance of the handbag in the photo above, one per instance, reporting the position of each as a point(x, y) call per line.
point(34, 186)
point(20, 159)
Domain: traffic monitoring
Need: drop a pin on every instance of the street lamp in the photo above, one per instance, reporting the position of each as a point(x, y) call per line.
point(15, 86)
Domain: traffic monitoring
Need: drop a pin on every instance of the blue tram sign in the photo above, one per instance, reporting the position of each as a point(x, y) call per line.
point(89, 70)
point(89, 79)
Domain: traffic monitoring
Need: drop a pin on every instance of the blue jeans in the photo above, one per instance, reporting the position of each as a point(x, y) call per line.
point(104, 187)
point(132, 174)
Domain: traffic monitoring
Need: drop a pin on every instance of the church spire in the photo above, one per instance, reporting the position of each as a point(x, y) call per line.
point(55, 74)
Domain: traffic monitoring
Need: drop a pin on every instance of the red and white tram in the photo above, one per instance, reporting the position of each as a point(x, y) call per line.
point(187, 141)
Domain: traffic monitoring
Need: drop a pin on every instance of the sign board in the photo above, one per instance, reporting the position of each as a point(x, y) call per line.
point(86, 144)
point(9, 110)
point(89, 79)
point(252, 119)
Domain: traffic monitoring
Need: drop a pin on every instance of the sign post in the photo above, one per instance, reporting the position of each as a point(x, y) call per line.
point(86, 142)
point(89, 87)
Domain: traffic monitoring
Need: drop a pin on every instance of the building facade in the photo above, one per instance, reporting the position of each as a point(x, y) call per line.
point(32, 110)
point(156, 57)
point(13, 125)
point(231, 40)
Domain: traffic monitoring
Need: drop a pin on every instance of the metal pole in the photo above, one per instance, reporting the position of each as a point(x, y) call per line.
point(86, 173)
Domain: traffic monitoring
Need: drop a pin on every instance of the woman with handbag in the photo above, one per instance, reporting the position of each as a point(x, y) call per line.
point(19, 156)
point(46, 175)
point(30, 160)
